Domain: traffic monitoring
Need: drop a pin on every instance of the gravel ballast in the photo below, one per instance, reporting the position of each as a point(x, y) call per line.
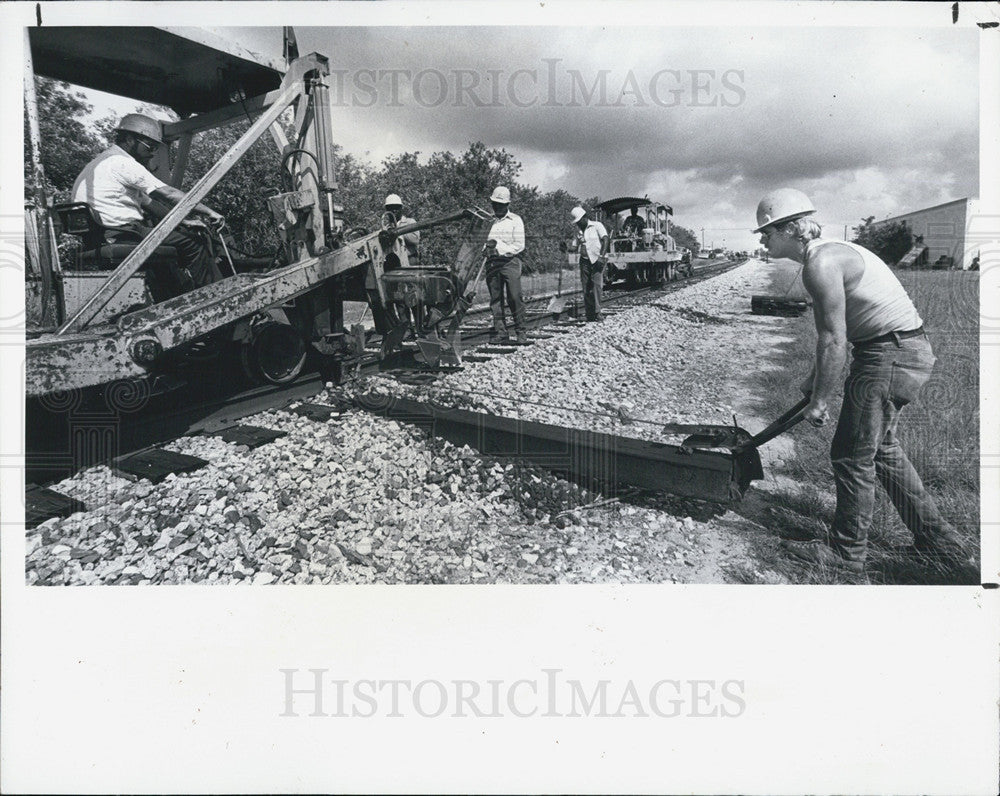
point(359, 499)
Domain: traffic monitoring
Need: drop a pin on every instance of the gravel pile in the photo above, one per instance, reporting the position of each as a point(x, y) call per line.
point(353, 500)
point(359, 499)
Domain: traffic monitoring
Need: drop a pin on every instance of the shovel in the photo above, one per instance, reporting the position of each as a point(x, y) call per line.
point(557, 303)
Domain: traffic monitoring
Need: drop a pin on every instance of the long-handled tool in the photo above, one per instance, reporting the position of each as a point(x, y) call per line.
point(745, 459)
point(557, 303)
point(701, 437)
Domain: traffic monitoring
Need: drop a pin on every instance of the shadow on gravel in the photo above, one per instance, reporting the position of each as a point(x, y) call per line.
point(693, 315)
point(697, 510)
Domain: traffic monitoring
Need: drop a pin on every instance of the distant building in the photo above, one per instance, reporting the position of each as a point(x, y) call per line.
point(943, 230)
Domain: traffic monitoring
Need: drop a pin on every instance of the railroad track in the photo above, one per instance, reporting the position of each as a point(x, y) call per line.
point(69, 433)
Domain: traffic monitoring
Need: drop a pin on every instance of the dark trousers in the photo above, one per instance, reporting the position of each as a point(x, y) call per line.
point(195, 266)
point(505, 274)
point(592, 279)
point(884, 377)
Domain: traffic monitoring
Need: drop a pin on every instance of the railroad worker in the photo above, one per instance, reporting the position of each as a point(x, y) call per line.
point(633, 227)
point(123, 192)
point(411, 240)
point(593, 244)
point(503, 267)
point(857, 299)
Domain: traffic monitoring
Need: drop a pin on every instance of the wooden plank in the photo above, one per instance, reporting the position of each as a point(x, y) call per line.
point(155, 464)
point(317, 412)
point(42, 503)
point(251, 436)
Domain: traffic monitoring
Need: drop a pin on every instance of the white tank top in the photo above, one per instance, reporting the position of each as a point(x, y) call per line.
point(877, 303)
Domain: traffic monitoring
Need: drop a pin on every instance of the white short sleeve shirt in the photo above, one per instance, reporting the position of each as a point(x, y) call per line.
point(591, 239)
point(115, 184)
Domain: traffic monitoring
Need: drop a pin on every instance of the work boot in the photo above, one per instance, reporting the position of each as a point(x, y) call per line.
point(498, 337)
point(522, 337)
point(821, 554)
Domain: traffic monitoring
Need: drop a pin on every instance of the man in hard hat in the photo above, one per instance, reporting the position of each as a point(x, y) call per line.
point(411, 240)
point(503, 267)
point(858, 300)
point(118, 185)
point(593, 243)
point(634, 226)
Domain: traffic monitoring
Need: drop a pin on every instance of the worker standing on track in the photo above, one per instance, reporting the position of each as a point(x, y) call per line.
point(122, 191)
point(400, 313)
point(857, 299)
point(503, 267)
point(593, 243)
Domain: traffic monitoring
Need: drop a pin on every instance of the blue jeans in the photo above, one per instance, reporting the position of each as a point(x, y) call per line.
point(502, 274)
point(883, 378)
point(592, 279)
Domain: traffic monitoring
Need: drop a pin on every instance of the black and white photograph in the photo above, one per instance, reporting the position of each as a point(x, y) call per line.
point(394, 375)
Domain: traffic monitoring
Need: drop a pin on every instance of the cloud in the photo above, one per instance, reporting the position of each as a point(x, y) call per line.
point(868, 120)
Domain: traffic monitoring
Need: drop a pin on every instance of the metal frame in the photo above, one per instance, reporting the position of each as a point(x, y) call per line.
point(82, 353)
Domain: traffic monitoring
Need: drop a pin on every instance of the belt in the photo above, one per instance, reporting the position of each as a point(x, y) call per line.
point(890, 337)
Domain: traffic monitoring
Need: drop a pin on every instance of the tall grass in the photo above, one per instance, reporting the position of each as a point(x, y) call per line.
point(939, 431)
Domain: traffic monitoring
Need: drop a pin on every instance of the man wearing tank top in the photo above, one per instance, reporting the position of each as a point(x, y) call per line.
point(857, 300)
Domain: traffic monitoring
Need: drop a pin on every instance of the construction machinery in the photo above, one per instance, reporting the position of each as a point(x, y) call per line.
point(640, 255)
point(107, 335)
point(107, 330)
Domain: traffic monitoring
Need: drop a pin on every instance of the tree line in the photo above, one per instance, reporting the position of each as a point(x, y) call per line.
point(430, 186)
point(890, 241)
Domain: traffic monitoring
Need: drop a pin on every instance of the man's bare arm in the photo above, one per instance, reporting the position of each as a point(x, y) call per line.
point(823, 278)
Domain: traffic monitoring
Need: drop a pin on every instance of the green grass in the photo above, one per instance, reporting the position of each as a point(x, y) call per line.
point(939, 432)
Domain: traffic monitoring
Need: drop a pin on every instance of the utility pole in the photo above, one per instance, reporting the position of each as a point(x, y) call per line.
point(703, 237)
point(845, 231)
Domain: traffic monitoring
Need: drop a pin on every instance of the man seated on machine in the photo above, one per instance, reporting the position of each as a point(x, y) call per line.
point(118, 185)
point(633, 228)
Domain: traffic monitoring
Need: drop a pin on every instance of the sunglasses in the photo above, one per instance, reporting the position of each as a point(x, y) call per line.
point(149, 143)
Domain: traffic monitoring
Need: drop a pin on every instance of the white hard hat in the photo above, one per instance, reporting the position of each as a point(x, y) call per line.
point(393, 199)
point(142, 125)
point(783, 204)
point(577, 213)
point(501, 196)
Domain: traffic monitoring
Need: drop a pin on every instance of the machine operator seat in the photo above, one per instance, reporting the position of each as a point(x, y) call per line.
point(97, 252)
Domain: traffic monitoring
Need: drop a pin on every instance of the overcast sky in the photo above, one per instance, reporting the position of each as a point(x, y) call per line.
point(866, 121)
